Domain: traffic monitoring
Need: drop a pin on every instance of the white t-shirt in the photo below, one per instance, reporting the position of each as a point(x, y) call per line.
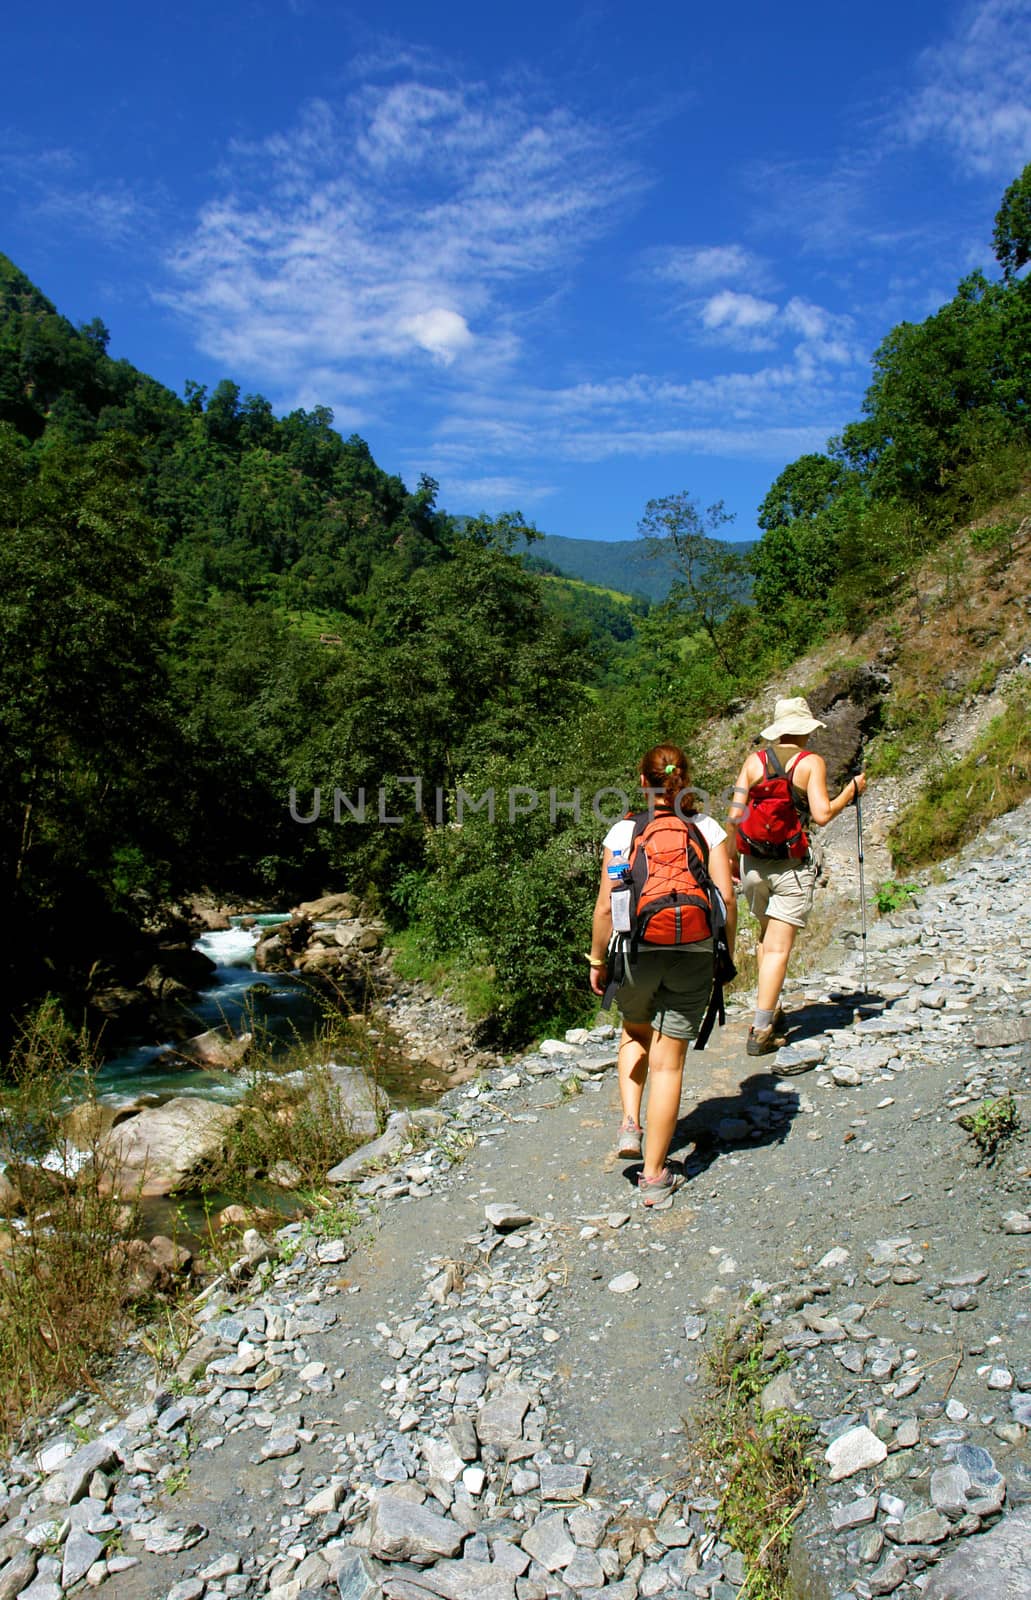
point(621, 833)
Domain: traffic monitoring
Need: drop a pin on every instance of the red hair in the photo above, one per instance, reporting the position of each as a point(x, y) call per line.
point(664, 769)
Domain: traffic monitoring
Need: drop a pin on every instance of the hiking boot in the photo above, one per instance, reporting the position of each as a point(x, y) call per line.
point(659, 1192)
point(628, 1139)
point(763, 1041)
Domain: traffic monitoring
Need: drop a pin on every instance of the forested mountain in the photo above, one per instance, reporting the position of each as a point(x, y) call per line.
point(622, 564)
point(204, 606)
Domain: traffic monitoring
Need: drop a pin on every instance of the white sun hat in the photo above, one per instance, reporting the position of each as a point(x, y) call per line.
point(792, 717)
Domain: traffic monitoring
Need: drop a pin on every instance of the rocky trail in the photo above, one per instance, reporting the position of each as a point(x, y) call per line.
point(490, 1386)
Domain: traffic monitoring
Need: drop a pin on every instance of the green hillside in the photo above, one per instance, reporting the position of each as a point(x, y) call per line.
point(623, 565)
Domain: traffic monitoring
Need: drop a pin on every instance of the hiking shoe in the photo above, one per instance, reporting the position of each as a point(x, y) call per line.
point(659, 1191)
point(628, 1140)
point(763, 1041)
point(780, 1020)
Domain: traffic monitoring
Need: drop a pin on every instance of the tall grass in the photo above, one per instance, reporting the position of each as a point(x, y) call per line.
point(64, 1271)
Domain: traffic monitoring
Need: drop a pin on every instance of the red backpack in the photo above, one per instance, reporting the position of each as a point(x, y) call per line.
point(668, 863)
point(769, 826)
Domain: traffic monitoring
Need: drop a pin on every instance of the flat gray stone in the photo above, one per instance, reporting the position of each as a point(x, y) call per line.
point(400, 1531)
point(500, 1419)
point(468, 1580)
point(548, 1542)
point(71, 1481)
point(355, 1166)
point(356, 1578)
point(81, 1550)
point(585, 1571)
point(504, 1218)
point(18, 1573)
point(563, 1483)
point(995, 1564)
point(778, 1394)
point(792, 1058)
point(856, 1513)
point(949, 1487)
point(1001, 1031)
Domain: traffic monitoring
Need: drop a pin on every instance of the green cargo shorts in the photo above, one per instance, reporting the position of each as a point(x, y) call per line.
point(668, 988)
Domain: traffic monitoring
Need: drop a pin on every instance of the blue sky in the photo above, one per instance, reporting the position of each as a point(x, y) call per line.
point(563, 258)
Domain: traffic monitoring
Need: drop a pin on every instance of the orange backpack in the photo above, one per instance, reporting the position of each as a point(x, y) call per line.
point(668, 866)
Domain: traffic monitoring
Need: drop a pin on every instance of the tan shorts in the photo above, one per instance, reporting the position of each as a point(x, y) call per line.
point(668, 988)
point(782, 890)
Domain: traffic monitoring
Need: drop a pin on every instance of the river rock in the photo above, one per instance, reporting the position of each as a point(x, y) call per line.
point(161, 1149)
point(996, 1564)
point(216, 1049)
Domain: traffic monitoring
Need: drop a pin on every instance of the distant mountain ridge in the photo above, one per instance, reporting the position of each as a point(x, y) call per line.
point(622, 564)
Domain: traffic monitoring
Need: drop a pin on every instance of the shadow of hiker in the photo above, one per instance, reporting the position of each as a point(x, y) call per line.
point(758, 1114)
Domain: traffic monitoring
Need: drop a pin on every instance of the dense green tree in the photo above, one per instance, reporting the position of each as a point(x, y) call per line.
point(1011, 239)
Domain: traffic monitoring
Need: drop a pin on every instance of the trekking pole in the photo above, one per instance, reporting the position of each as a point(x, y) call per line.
point(862, 883)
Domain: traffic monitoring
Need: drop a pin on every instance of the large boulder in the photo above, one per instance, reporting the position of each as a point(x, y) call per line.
point(165, 1149)
point(331, 908)
point(84, 1124)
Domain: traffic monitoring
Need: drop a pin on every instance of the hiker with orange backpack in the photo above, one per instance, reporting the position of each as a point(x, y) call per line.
point(778, 790)
point(664, 922)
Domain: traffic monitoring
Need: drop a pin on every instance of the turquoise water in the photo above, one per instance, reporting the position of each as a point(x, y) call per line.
point(270, 1004)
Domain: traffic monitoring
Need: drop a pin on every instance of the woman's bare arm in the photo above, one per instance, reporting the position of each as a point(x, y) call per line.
point(722, 877)
point(822, 808)
point(601, 928)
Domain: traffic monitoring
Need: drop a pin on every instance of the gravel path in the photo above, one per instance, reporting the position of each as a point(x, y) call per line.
point(490, 1388)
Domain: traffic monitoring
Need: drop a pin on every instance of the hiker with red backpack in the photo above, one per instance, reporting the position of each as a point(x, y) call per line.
point(661, 948)
point(778, 790)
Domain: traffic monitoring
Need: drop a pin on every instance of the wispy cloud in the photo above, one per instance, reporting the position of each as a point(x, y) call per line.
point(702, 266)
point(396, 231)
point(778, 411)
point(53, 186)
point(975, 89)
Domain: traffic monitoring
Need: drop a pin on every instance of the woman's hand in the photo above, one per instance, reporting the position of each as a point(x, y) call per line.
point(599, 978)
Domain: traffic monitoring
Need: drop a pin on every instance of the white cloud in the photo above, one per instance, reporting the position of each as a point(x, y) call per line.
point(737, 313)
point(700, 266)
point(398, 226)
point(975, 94)
point(443, 333)
point(498, 493)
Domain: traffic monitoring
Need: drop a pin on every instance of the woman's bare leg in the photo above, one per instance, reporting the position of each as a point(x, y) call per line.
point(778, 938)
point(665, 1080)
point(633, 1066)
